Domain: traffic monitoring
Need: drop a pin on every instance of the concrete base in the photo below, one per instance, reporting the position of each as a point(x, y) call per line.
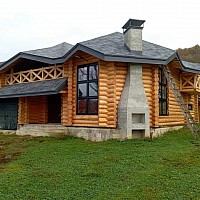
point(92, 134)
point(157, 132)
point(41, 130)
point(8, 132)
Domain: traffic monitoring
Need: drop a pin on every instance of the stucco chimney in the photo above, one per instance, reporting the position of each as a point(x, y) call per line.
point(133, 34)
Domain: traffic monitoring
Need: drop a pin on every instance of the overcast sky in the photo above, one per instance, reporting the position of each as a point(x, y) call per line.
point(33, 24)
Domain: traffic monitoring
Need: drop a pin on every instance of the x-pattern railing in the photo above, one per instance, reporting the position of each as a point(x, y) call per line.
point(45, 73)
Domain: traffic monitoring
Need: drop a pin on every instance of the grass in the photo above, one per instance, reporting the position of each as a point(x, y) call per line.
point(68, 168)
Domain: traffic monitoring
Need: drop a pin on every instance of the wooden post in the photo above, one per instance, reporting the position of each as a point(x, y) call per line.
point(103, 94)
point(155, 97)
point(69, 92)
point(2, 79)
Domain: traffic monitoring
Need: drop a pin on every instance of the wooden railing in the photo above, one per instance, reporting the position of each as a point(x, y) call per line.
point(190, 83)
point(45, 73)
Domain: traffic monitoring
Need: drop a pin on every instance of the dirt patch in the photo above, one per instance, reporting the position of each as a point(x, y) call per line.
point(5, 158)
point(11, 146)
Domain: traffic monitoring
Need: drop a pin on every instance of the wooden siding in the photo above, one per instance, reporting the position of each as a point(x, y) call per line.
point(175, 116)
point(121, 72)
point(23, 111)
point(112, 76)
point(150, 87)
point(111, 82)
point(2, 80)
point(33, 110)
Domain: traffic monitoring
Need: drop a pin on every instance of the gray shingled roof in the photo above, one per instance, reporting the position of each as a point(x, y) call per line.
point(109, 48)
point(113, 45)
point(191, 66)
point(33, 89)
point(56, 51)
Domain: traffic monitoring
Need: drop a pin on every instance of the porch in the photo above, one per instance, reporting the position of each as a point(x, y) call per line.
point(190, 83)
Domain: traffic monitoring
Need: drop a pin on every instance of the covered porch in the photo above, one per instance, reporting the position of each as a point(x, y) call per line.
point(38, 102)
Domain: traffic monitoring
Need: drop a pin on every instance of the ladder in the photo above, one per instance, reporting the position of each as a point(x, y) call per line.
point(190, 121)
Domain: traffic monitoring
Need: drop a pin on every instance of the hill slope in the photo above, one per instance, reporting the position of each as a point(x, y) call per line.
point(190, 54)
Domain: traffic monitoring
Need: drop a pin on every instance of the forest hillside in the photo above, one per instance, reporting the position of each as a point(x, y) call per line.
point(190, 54)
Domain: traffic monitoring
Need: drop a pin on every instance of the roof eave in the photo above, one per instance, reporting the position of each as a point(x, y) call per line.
point(90, 51)
point(105, 57)
point(184, 68)
point(30, 57)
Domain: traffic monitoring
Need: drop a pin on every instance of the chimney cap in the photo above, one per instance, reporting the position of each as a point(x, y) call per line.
point(134, 23)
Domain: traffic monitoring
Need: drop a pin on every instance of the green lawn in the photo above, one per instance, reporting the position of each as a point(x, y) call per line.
point(68, 168)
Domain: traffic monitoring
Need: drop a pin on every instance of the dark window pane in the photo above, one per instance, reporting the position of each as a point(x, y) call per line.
point(160, 107)
point(159, 75)
point(93, 106)
point(93, 72)
point(164, 80)
point(190, 107)
point(82, 106)
point(93, 89)
point(164, 107)
point(82, 90)
point(164, 92)
point(87, 89)
point(159, 92)
point(82, 74)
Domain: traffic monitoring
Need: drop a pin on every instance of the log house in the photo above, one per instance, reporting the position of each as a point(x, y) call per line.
point(108, 87)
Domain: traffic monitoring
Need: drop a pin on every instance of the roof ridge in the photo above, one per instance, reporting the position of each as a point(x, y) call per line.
point(159, 45)
point(100, 37)
point(62, 43)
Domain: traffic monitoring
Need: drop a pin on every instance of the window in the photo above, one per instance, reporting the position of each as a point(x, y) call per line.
point(163, 94)
point(87, 89)
point(190, 107)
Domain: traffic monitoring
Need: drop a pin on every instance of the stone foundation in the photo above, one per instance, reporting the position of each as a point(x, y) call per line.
point(92, 134)
point(41, 130)
point(157, 132)
point(8, 132)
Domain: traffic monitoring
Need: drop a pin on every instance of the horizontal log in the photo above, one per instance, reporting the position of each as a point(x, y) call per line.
point(103, 93)
point(84, 122)
point(103, 111)
point(85, 117)
point(101, 124)
point(84, 125)
point(103, 115)
point(104, 98)
point(102, 88)
point(121, 72)
point(103, 120)
point(103, 84)
point(119, 89)
point(111, 118)
point(172, 123)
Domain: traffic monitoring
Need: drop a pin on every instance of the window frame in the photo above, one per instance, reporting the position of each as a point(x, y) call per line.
point(87, 81)
point(162, 100)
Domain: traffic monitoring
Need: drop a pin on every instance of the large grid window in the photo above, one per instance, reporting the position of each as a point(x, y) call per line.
point(87, 89)
point(163, 94)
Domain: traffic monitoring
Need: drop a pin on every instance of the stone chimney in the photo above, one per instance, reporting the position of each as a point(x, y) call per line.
point(133, 34)
point(133, 108)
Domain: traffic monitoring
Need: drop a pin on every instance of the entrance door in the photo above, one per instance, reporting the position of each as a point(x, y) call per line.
point(8, 114)
point(54, 108)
